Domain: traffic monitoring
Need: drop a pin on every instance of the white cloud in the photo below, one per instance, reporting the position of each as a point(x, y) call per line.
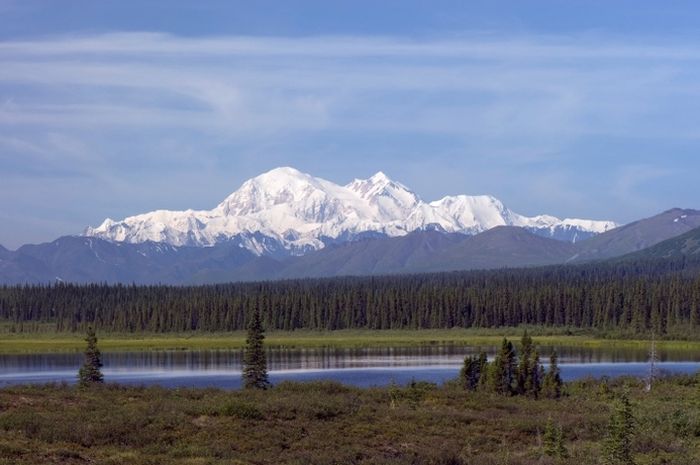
point(110, 105)
point(477, 46)
point(529, 88)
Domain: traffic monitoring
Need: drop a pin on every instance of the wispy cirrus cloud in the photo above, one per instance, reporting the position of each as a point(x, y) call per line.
point(475, 86)
point(476, 46)
point(488, 113)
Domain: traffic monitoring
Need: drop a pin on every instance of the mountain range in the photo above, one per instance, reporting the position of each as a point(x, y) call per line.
point(287, 212)
point(286, 224)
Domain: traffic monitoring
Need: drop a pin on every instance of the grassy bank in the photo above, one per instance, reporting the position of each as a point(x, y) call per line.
point(48, 342)
point(325, 423)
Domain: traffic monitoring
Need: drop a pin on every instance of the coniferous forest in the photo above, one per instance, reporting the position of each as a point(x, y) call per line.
point(636, 297)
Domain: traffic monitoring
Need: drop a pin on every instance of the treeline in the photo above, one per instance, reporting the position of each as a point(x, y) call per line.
point(663, 296)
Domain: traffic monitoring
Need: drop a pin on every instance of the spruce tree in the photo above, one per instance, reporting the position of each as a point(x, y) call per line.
point(525, 368)
point(483, 371)
point(465, 374)
point(536, 376)
point(254, 359)
point(470, 375)
point(549, 438)
point(552, 383)
point(90, 373)
point(502, 371)
point(695, 316)
point(617, 448)
point(562, 452)
point(553, 441)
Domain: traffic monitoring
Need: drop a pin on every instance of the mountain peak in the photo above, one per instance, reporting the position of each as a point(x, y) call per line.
point(470, 200)
point(284, 171)
point(375, 184)
point(283, 186)
point(280, 177)
point(393, 200)
point(380, 177)
point(474, 213)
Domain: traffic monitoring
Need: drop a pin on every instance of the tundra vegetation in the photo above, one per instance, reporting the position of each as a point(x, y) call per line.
point(327, 423)
point(44, 340)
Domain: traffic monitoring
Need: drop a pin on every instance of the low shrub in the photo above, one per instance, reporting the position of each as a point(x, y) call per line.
point(242, 410)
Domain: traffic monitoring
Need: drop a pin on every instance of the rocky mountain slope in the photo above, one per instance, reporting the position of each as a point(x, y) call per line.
point(638, 235)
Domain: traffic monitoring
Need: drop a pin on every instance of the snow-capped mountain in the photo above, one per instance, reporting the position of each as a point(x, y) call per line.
point(392, 199)
point(285, 211)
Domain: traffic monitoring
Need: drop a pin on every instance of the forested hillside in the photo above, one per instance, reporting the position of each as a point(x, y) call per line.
point(635, 296)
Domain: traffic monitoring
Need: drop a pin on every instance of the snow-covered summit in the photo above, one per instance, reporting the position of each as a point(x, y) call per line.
point(473, 214)
point(392, 200)
point(287, 211)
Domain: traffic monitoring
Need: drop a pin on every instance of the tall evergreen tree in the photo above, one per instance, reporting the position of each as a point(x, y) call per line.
point(470, 375)
point(617, 448)
point(254, 358)
point(465, 374)
point(534, 387)
point(695, 313)
point(90, 373)
point(483, 370)
point(502, 370)
point(525, 367)
point(552, 383)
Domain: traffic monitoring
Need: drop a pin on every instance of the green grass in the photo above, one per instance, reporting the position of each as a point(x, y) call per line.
point(326, 423)
point(47, 342)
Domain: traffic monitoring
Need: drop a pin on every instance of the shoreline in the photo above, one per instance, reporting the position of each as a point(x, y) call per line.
point(71, 342)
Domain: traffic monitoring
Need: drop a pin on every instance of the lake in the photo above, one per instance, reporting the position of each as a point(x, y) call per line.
point(359, 367)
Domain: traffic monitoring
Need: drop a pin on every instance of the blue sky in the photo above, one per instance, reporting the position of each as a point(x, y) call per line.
point(576, 109)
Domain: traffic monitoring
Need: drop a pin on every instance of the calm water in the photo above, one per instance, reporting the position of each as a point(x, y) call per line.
point(360, 367)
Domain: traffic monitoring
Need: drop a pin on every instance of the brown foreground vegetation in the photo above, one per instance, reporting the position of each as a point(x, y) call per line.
point(327, 423)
